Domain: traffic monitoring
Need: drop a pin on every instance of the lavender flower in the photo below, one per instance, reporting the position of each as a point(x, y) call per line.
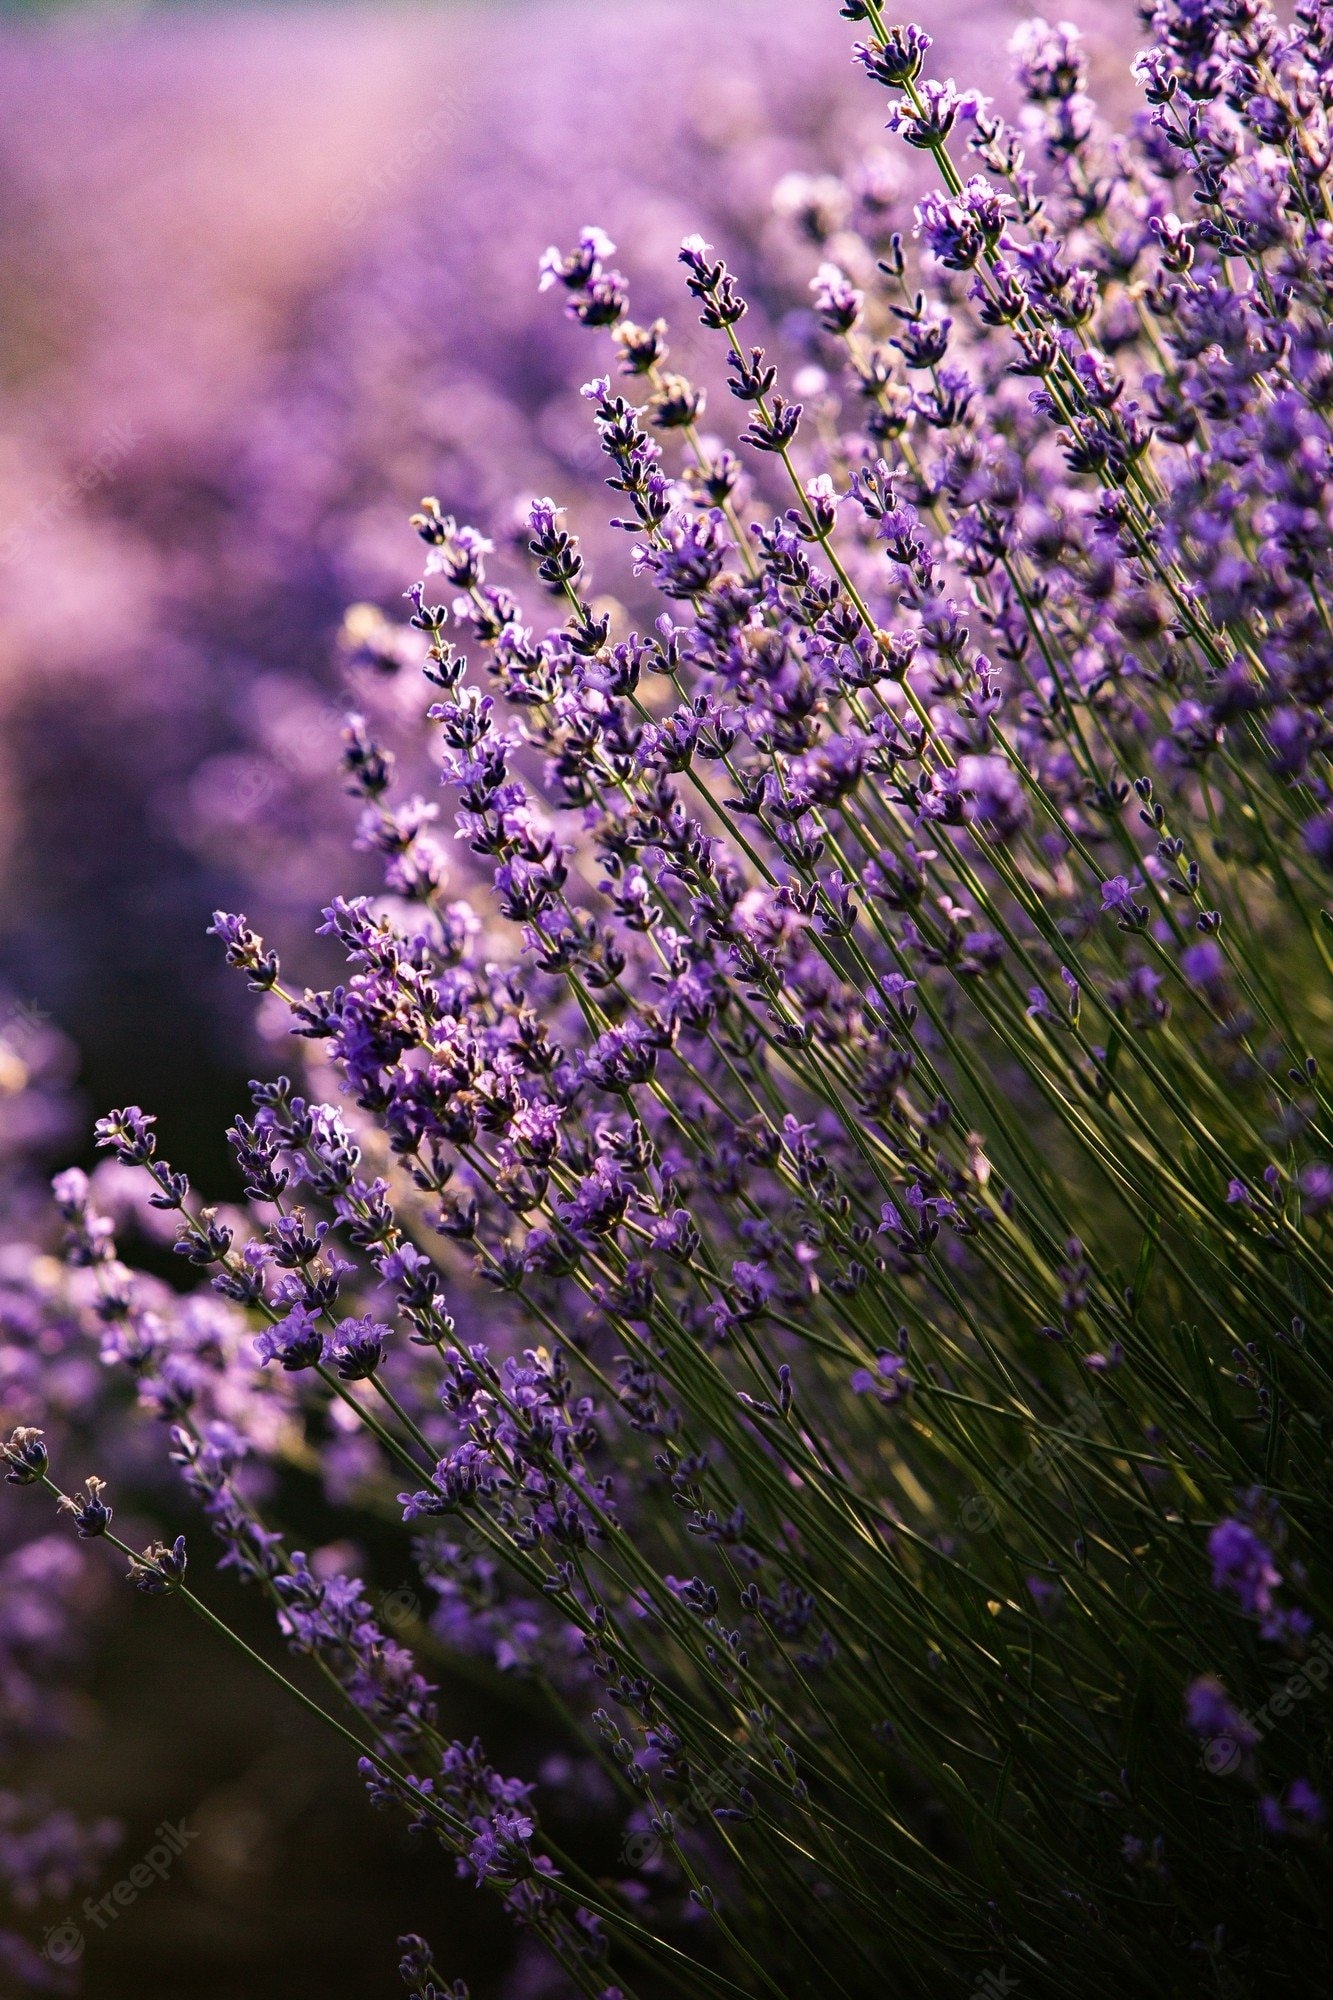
point(294, 1341)
point(894, 910)
point(1244, 1566)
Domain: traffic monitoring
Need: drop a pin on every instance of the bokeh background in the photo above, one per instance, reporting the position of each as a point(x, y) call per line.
point(268, 275)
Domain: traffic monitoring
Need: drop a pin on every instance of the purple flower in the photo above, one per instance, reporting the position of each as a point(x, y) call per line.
point(1319, 838)
point(1204, 964)
point(958, 229)
point(688, 555)
point(837, 301)
point(160, 1570)
point(1304, 1802)
point(70, 1191)
point(889, 1381)
point(994, 796)
point(295, 1342)
point(92, 1516)
point(1299, 1810)
point(25, 1456)
point(1049, 61)
point(1228, 1736)
point(766, 995)
point(1243, 1565)
point(499, 1845)
point(129, 1134)
point(581, 265)
point(357, 1348)
point(599, 1203)
point(927, 122)
point(897, 59)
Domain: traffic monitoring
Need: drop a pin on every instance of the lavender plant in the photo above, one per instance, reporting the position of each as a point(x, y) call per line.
point(826, 1251)
point(49, 1595)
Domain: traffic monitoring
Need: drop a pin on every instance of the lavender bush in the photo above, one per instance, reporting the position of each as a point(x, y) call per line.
point(49, 1597)
point(825, 1249)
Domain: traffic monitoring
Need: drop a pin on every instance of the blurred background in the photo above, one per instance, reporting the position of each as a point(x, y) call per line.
point(268, 276)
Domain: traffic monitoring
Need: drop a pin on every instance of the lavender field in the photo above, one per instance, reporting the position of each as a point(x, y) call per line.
point(667, 868)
